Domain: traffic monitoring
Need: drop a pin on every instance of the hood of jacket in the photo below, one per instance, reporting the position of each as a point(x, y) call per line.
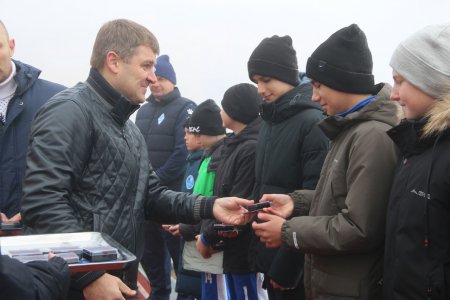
point(380, 109)
point(250, 132)
point(438, 117)
point(297, 99)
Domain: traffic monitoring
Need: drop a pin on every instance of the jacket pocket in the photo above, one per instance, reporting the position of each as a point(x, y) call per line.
point(340, 286)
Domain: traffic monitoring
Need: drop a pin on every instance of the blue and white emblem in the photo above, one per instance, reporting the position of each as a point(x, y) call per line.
point(190, 181)
point(161, 118)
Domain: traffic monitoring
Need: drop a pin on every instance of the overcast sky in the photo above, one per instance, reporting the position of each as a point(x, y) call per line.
point(208, 41)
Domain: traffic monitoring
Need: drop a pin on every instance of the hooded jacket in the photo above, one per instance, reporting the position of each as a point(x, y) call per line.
point(30, 95)
point(162, 125)
point(341, 229)
point(289, 156)
point(417, 252)
point(235, 177)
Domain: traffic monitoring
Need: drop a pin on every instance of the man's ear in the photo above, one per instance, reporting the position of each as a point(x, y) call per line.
point(12, 46)
point(112, 62)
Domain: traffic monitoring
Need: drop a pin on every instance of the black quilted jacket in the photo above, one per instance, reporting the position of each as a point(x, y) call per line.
point(88, 170)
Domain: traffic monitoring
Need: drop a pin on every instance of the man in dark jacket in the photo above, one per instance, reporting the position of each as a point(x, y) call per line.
point(290, 152)
point(36, 280)
point(22, 93)
point(161, 122)
point(87, 164)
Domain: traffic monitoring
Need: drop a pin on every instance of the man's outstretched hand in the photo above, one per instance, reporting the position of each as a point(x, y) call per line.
point(230, 210)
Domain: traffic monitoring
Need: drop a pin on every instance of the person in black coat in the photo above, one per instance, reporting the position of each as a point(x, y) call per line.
point(38, 280)
point(290, 152)
point(417, 247)
point(235, 176)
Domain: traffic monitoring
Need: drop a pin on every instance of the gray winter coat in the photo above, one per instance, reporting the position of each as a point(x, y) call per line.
point(341, 227)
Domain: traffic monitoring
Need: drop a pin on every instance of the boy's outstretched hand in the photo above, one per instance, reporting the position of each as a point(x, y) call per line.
point(230, 210)
point(280, 204)
point(269, 232)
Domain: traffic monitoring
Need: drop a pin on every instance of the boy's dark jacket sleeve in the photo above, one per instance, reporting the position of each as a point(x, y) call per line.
point(37, 280)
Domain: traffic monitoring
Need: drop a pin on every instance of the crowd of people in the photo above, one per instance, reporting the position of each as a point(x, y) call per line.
point(356, 172)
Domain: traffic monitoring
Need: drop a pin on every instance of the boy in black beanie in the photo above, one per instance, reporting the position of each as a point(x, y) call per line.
point(290, 151)
point(235, 176)
point(206, 125)
point(340, 227)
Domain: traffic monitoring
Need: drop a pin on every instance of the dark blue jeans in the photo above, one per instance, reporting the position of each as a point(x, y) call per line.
point(160, 247)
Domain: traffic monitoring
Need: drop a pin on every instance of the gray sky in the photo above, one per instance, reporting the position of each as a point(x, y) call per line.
point(208, 41)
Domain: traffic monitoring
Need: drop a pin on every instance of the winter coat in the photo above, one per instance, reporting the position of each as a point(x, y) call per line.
point(290, 152)
point(235, 176)
point(342, 228)
point(30, 95)
point(37, 280)
point(162, 124)
point(189, 282)
point(88, 170)
point(417, 252)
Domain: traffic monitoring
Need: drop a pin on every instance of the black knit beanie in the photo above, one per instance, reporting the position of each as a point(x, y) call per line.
point(343, 62)
point(241, 102)
point(206, 119)
point(275, 57)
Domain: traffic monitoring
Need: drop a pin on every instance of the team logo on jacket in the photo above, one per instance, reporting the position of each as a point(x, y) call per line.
point(190, 181)
point(161, 118)
point(190, 111)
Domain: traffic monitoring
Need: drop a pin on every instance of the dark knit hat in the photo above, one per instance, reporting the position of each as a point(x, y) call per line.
point(241, 102)
point(206, 119)
point(164, 69)
point(275, 57)
point(343, 62)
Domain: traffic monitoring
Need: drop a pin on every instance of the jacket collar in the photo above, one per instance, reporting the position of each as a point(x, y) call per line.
point(165, 100)
point(26, 75)
point(121, 109)
point(294, 101)
point(195, 155)
point(250, 132)
point(380, 109)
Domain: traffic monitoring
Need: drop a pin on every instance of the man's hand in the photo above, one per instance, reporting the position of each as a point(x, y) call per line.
point(281, 205)
point(107, 287)
point(229, 210)
point(172, 229)
point(277, 286)
point(269, 232)
point(4, 217)
point(16, 218)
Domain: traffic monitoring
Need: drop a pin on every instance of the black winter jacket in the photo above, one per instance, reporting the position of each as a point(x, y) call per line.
point(36, 280)
point(417, 251)
point(30, 95)
point(290, 153)
point(88, 170)
point(235, 177)
point(162, 125)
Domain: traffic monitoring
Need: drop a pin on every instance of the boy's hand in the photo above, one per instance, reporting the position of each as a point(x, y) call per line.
point(229, 210)
point(281, 205)
point(269, 232)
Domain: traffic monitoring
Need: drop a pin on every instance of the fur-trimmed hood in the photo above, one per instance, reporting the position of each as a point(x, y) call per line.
point(438, 117)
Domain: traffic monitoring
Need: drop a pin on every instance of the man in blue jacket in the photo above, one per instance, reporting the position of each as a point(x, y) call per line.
point(161, 121)
point(21, 94)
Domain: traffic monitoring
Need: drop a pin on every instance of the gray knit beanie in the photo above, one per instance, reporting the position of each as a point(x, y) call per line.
point(423, 59)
